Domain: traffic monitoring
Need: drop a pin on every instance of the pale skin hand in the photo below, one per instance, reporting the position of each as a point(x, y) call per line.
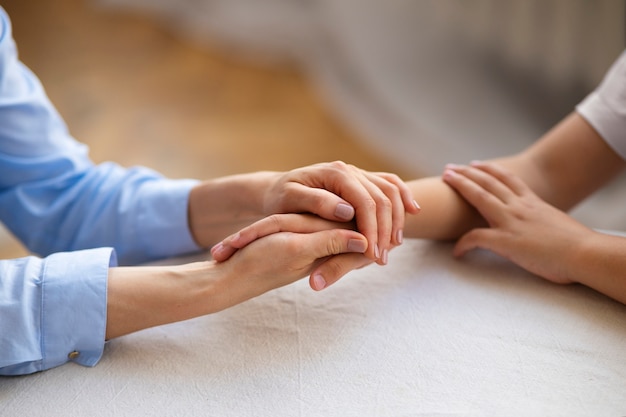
point(327, 272)
point(142, 297)
point(535, 235)
point(522, 228)
point(562, 168)
point(377, 203)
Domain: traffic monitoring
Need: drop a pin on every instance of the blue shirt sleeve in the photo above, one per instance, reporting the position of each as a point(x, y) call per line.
point(53, 198)
point(53, 310)
point(56, 200)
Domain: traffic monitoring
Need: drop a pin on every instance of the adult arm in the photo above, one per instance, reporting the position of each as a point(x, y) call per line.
point(62, 308)
point(567, 164)
point(572, 160)
point(53, 198)
point(515, 206)
point(141, 297)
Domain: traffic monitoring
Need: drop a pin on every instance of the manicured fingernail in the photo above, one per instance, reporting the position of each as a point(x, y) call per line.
point(385, 257)
point(399, 236)
point(417, 206)
point(356, 245)
point(319, 282)
point(376, 252)
point(344, 211)
point(476, 162)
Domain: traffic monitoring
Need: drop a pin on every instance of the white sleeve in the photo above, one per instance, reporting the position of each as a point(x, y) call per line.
point(605, 108)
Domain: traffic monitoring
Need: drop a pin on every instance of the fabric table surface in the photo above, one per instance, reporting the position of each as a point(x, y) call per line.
point(426, 335)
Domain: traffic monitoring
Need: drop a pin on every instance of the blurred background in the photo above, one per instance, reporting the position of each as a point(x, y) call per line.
point(203, 88)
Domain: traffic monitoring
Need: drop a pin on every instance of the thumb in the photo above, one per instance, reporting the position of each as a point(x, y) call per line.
point(336, 241)
point(346, 243)
point(318, 201)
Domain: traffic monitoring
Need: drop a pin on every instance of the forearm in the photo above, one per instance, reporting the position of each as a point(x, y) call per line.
point(143, 297)
point(220, 207)
point(599, 262)
point(445, 214)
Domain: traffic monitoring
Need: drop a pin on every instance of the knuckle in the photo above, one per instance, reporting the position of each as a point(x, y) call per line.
point(334, 246)
point(291, 246)
point(339, 165)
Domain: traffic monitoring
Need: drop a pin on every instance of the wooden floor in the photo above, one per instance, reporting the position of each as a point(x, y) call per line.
point(140, 96)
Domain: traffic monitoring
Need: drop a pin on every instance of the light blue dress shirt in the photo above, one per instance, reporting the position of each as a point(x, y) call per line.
point(80, 217)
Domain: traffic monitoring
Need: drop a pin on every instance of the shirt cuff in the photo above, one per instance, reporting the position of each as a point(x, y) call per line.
point(74, 306)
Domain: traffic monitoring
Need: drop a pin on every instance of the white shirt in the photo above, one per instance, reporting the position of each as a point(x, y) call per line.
point(605, 108)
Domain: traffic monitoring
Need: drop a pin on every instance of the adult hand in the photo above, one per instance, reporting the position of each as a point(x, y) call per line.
point(336, 191)
point(284, 257)
point(327, 271)
point(522, 227)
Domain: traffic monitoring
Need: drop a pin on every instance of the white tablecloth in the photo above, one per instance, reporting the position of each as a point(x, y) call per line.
point(425, 336)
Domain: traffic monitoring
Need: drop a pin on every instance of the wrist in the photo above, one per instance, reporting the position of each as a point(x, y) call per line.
point(598, 261)
point(220, 207)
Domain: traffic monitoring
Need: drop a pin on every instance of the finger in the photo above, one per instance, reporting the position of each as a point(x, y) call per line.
point(296, 223)
point(489, 206)
point(334, 242)
point(326, 204)
point(335, 267)
point(221, 252)
point(477, 238)
point(485, 180)
point(506, 177)
point(382, 194)
point(397, 209)
point(346, 182)
point(408, 201)
point(302, 198)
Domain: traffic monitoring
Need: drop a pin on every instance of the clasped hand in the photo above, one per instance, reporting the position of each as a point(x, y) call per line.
point(374, 204)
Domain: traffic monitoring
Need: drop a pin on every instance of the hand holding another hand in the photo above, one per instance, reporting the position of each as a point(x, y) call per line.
point(336, 191)
point(311, 246)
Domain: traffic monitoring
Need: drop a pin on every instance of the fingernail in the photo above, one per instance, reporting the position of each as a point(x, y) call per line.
point(344, 211)
point(399, 236)
point(319, 282)
point(376, 252)
point(217, 249)
point(476, 162)
point(385, 257)
point(417, 206)
point(356, 245)
point(448, 173)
